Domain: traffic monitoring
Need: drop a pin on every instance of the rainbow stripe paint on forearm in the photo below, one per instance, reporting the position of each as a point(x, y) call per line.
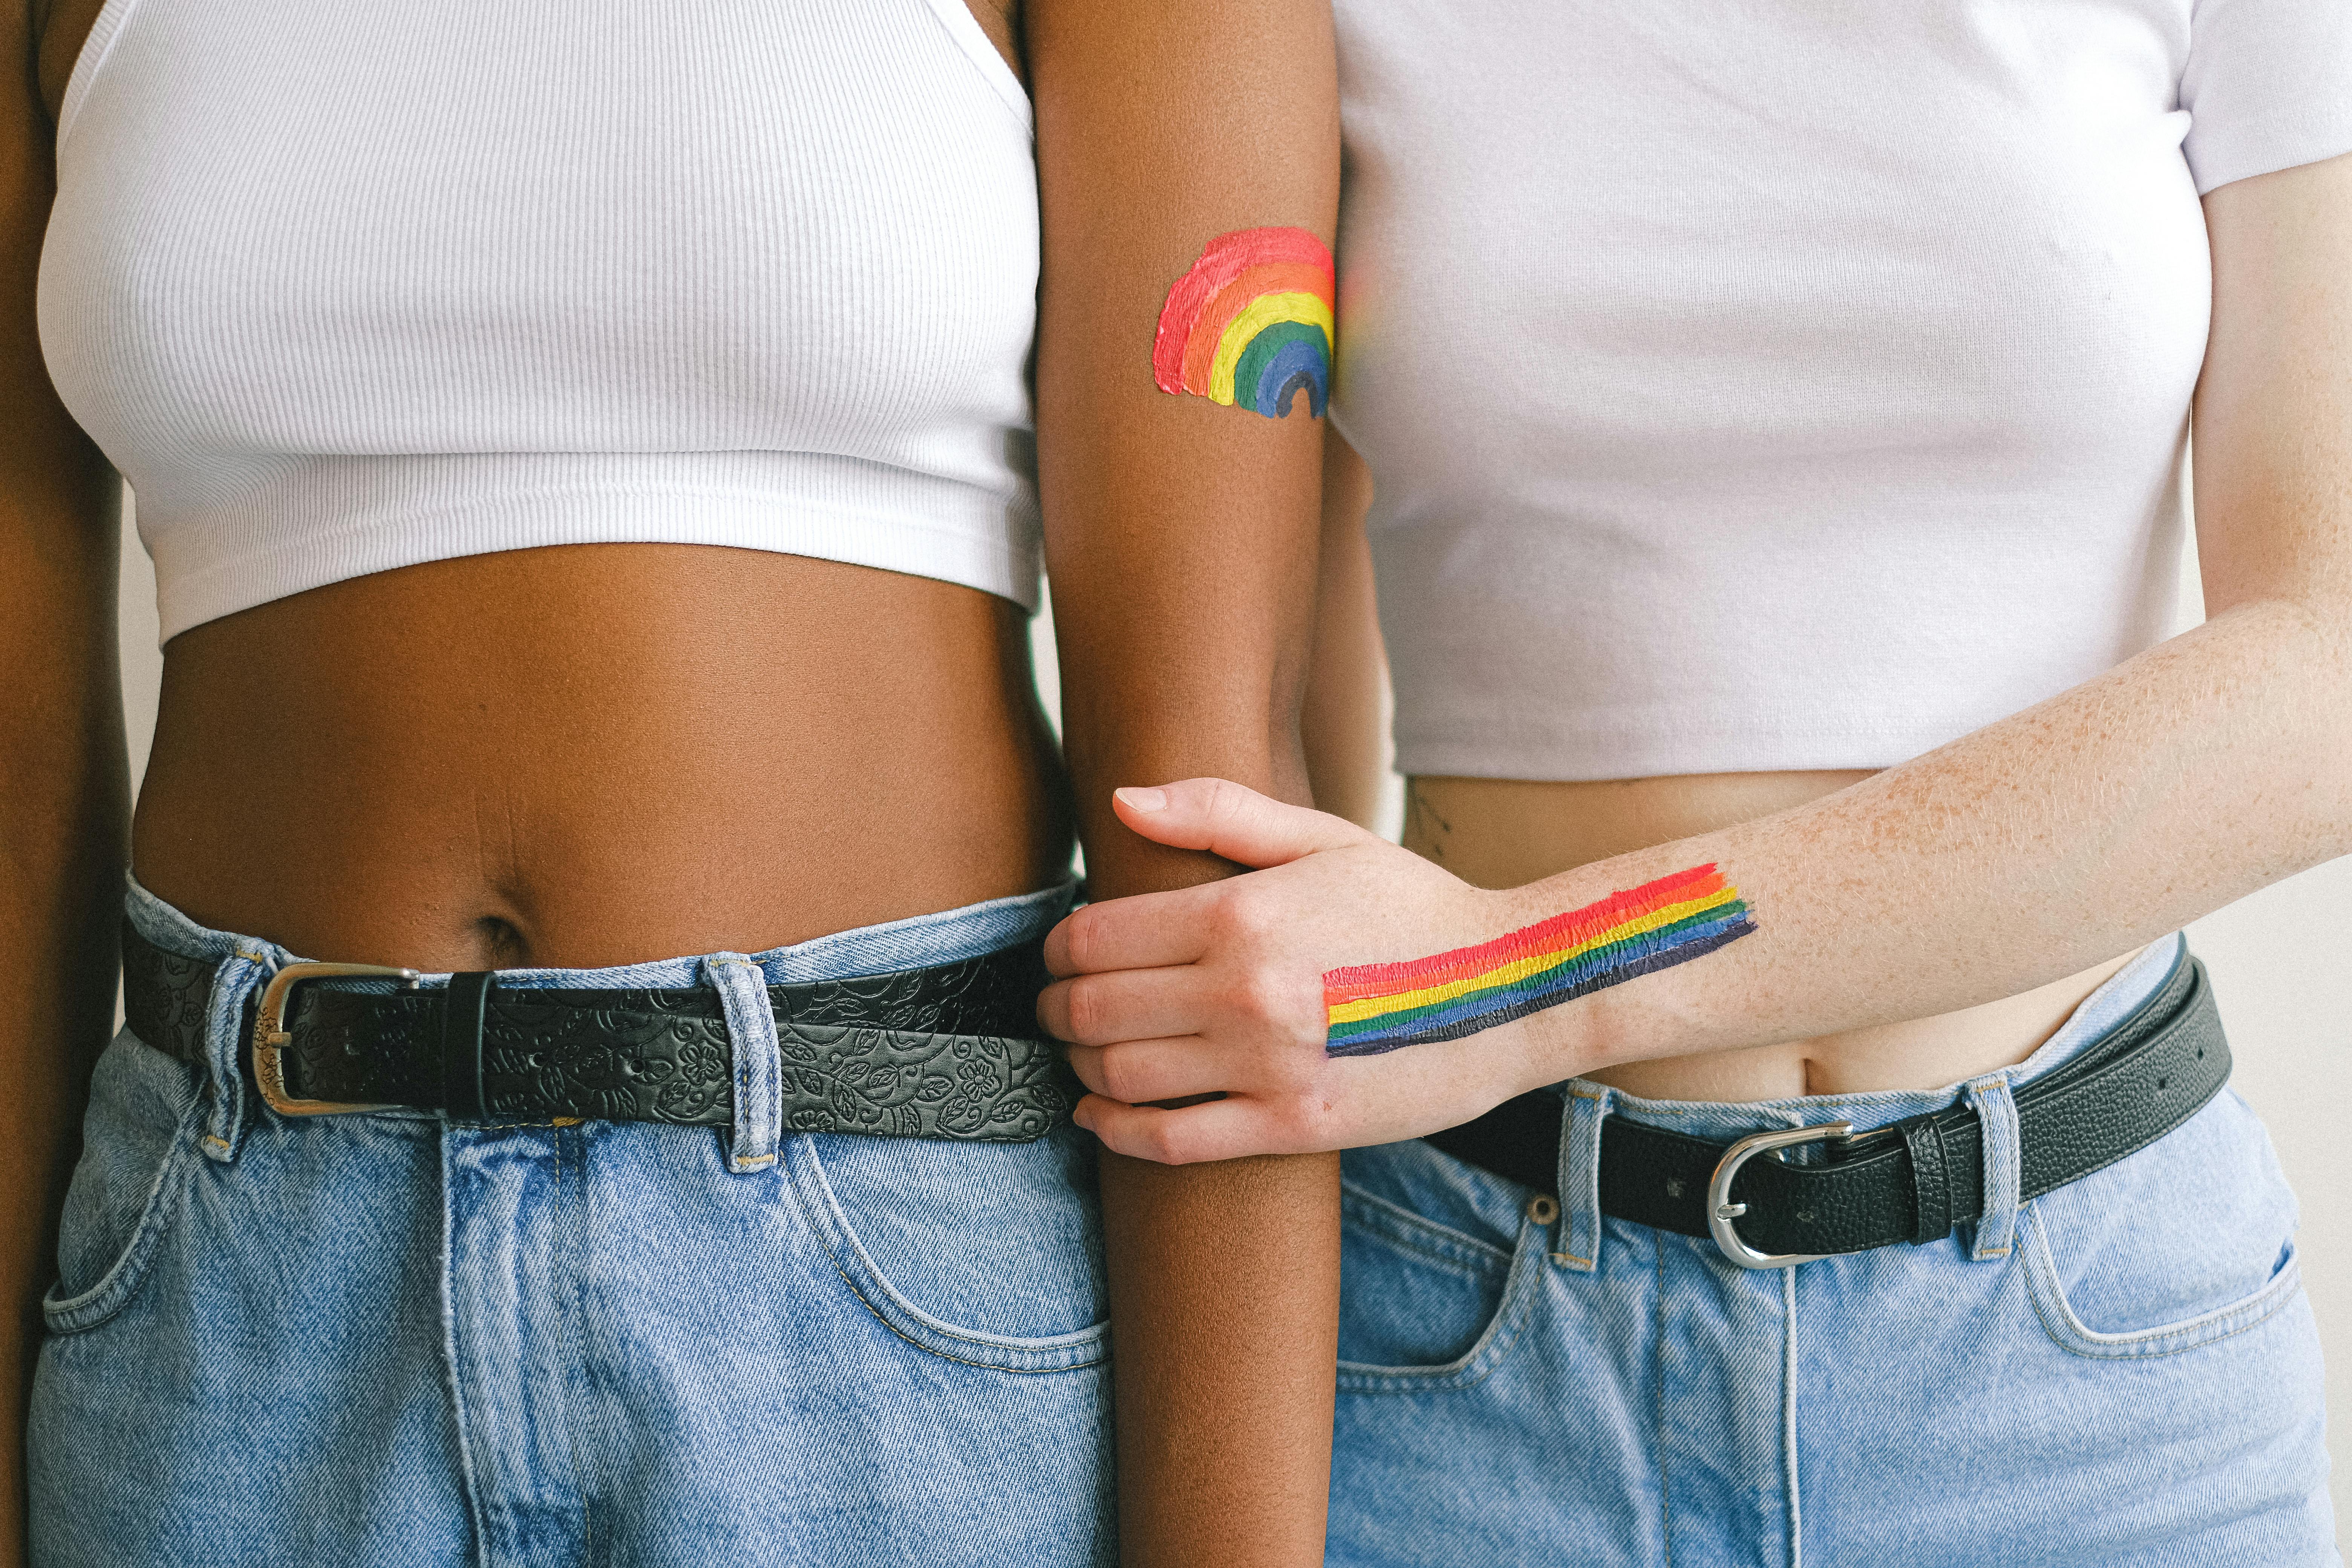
point(1375, 1007)
point(1251, 323)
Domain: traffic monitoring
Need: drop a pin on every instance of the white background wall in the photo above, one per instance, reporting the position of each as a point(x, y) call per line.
point(2281, 961)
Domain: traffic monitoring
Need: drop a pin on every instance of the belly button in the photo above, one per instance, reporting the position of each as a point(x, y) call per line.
point(501, 946)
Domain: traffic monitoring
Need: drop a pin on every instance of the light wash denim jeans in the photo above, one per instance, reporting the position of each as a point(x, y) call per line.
point(384, 1339)
point(2123, 1371)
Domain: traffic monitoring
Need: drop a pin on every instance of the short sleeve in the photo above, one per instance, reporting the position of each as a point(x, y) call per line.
point(2268, 86)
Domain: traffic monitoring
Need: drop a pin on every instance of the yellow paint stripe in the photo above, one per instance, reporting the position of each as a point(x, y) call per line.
point(1254, 318)
point(1520, 968)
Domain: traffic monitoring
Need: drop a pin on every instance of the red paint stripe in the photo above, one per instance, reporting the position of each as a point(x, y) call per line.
point(1368, 980)
point(1221, 260)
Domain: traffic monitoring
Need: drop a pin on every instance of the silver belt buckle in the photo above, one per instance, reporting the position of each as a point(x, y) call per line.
point(1721, 1211)
point(270, 1038)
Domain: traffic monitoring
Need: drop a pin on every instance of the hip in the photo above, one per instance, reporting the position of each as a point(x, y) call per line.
point(521, 1341)
point(2121, 1370)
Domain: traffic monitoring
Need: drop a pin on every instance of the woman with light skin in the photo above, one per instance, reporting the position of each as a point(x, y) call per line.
point(594, 457)
point(1784, 1124)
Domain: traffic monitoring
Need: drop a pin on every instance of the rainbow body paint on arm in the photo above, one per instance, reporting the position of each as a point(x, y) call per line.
point(1375, 1007)
point(1251, 323)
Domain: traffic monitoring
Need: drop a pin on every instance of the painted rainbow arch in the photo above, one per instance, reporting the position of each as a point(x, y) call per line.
point(1251, 323)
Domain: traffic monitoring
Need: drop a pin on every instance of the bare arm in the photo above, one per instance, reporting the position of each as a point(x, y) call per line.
point(2184, 778)
point(62, 779)
point(1180, 535)
point(1342, 723)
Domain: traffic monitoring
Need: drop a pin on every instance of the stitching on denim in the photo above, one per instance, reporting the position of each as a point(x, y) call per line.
point(2269, 1309)
point(833, 1223)
point(1571, 1257)
point(477, 1509)
point(580, 1349)
point(1430, 1255)
point(1658, 1408)
point(1486, 1355)
point(2257, 1308)
point(120, 1284)
point(1482, 1255)
point(735, 1159)
point(934, 1350)
point(1985, 1083)
point(1788, 1419)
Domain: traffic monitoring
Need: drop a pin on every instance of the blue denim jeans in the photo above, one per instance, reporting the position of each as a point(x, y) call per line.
point(385, 1339)
point(2123, 1371)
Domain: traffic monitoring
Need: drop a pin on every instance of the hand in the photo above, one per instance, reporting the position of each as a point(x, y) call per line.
point(1219, 988)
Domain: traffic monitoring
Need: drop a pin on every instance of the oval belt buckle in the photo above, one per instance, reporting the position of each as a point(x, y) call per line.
point(270, 1037)
point(1721, 1211)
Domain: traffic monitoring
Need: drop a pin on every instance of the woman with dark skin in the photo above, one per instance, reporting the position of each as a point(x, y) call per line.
point(439, 766)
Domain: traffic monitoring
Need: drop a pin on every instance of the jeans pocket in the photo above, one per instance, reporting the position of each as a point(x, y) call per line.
point(1427, 1305)
point(986, 1254)
point(137, 1150)
point(2189, 1241)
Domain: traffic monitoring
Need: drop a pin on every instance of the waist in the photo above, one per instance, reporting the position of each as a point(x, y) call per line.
point(1503, 833)
point(596, 755)
point(920, 1027)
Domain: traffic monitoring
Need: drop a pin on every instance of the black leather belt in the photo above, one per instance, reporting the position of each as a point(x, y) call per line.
point(1911, 1181)
point(950, 1051)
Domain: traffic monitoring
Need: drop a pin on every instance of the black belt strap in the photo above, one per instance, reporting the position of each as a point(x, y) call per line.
point(463, 1011)
point(949, 1051)
point(1912, 1181)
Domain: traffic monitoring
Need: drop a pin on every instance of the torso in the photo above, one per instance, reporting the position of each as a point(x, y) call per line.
point(593, 754)
point(1500, 833)
point(1727, 426)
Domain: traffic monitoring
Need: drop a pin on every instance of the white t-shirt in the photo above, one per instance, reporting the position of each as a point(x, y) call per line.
point(1780, 384)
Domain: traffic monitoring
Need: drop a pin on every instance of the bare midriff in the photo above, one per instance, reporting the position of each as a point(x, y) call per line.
point(597, 754)
point(1504, 833)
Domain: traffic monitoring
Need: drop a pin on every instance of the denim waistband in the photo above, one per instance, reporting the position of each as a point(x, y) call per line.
point(2101, 1011)
point(919, 941)
point(1993, 1095)
point(915, 943)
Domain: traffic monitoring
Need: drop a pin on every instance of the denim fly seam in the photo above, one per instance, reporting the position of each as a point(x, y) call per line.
point(758, 1062)
point(1996, 1107)
point(1580, 1177)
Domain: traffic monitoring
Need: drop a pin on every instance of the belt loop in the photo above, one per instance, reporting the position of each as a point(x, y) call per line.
point(1580, 1177)
point(227, 1037)
point(742, 988)
point(461, 1047)
point(1997, 1110)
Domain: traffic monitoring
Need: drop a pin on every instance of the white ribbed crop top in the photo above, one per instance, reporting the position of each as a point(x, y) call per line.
point(1781, 384)
point(342, 286)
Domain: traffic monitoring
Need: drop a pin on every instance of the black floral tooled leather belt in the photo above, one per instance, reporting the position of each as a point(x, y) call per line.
point(950, 1051)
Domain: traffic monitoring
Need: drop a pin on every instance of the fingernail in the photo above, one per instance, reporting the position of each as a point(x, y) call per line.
point(1142, 799)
